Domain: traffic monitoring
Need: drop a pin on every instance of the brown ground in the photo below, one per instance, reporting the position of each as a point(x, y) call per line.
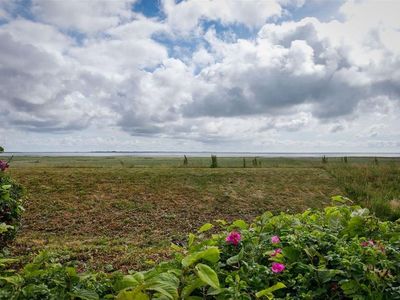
point(122, 218)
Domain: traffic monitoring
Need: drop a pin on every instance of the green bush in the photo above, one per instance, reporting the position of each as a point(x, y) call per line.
point(10, 206)
point(340, 252)
point(214, 162)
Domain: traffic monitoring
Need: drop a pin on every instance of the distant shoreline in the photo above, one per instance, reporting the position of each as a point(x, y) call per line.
point(204, 154)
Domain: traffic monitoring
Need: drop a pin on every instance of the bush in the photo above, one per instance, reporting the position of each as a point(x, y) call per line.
point(214, 162)
point(10, 206)
point(47, 278)
point(340, 252)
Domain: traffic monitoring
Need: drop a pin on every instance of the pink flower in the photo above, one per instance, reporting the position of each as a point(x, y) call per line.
point(277, 267)
point(233, 238)
point(275, 239)
point(276, 251)
point(3, 165)
point(369, 243)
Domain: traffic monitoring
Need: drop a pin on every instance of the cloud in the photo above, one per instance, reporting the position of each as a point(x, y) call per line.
point(83, 16)
point(184, 75)
point(186, 15)
point(288, 65)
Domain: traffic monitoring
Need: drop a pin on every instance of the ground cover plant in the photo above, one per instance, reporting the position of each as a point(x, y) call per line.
point(10, 205)
point(339, 252)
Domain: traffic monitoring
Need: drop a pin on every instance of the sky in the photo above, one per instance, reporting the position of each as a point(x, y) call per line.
point(200, 75)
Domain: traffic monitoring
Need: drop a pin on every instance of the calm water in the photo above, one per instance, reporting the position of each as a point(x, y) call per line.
point(206, 154)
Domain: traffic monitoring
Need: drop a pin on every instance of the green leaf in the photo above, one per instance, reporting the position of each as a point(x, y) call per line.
point(205, 227)
point(176, 248)
point(125, 282)
point(268, 292)
point(6, 261)
point(235, 259)
point(240, 224)
point(191, 239)
point(222, 222)
point(355, 226)
point(165, 283)
point(326, 275)
point(341, 199)
point(213, 291)
point(349, 287)
point(207, 275)
point(84, 294)
point(292, 254)
point(14, 280)
point(4, 227)
point(210, 254)
point(191, 286)
point(131, 295)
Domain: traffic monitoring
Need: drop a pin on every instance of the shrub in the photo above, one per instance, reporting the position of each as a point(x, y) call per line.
point(47, 278)
point(340, 252)
point(10, 206)
point(214, 163)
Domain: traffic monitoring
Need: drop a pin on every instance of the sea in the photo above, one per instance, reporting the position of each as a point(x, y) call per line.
point(204, 154)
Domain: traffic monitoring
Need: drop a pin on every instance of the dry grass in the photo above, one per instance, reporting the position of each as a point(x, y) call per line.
point(119, 217)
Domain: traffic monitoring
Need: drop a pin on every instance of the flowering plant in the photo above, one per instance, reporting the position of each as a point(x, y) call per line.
point(10, 205)
point(233, 238)
point(335, 253)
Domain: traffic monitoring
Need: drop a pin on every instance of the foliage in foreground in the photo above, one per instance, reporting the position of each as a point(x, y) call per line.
point(10, 205)
point(339, 253)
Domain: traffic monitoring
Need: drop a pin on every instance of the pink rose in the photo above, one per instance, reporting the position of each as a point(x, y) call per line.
point(3, 165)
point(276, 251)
point(275, 239)
point(369, 243)
point(233, 238)
point(277, 267)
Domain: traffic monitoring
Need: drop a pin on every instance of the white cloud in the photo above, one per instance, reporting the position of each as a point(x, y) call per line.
point(291, 83)
point(84, 16)
point(185, 16)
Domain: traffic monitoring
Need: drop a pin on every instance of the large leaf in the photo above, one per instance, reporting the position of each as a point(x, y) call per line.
point(191, 286)
point(268, 292)
point(165, 283)
point(84, 294)
point(236, 258)
point(240, 224)
point(291, 254)
point(205, 227)
point(210, 254)
point(125, 282)
point(207, 275)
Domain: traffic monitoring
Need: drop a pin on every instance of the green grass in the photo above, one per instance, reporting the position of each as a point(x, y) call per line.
point(123, 212)
point(374, 186)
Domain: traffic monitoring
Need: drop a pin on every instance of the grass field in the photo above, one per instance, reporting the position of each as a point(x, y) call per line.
point(123, 212)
